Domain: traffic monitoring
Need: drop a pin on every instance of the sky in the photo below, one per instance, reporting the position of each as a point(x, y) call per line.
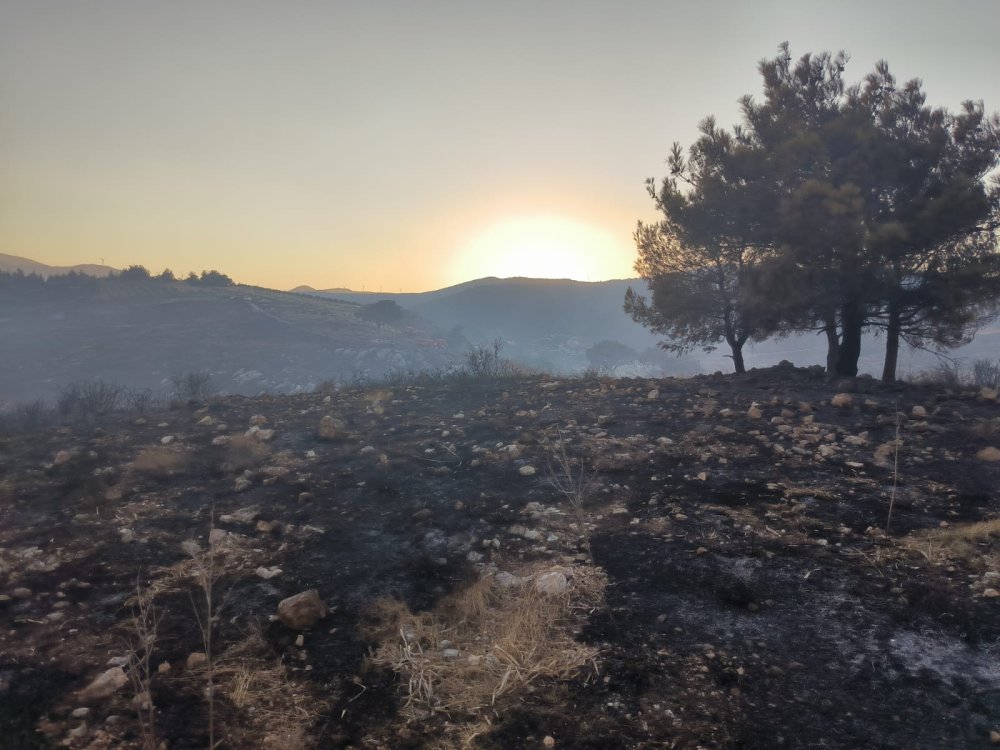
point(400, 146)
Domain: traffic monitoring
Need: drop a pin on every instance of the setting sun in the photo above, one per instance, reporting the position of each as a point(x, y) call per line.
point(543, 247)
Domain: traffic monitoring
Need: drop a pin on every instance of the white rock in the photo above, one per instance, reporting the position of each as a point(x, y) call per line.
point(553, 582)
point(526, 471)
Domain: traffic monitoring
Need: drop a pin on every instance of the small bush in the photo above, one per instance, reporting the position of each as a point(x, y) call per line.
point(192, 386)
point(89, 400)
point(26, 418)
point(159, 461)
point(946, 373)
point(485, 363)
point(986, 373)
point(243, 452)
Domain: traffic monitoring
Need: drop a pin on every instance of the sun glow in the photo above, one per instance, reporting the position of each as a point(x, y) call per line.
point(543, 247)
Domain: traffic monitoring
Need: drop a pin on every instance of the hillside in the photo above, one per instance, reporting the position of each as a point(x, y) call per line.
point(728, 563)
point(249, 339)
point(550, 323)
point(10, 263)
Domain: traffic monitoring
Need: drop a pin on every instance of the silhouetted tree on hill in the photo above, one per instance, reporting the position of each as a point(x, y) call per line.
point(832, 208)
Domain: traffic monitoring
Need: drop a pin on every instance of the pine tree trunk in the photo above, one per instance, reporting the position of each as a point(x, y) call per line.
point(738, 358)
point(851, 321)
point(891, 346)
point(832, 346)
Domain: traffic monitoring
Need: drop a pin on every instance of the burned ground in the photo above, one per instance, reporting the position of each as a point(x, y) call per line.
point(753, 597)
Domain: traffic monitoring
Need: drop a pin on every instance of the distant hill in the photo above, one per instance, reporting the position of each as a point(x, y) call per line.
point(139, 333)
point(11, 263)
point(551, 323)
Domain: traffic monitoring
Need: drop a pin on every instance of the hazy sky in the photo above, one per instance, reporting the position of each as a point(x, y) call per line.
point(399, 145)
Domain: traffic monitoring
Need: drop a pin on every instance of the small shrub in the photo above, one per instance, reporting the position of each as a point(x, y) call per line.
point(243, 452)
point(159, 461)
point(90, 399)
point(946, 373)
point(986, 373)
point(26, 418)
point(192, 386)
point(485, 363)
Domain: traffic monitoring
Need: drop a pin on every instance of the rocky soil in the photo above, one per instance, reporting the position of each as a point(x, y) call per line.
point(752, 596)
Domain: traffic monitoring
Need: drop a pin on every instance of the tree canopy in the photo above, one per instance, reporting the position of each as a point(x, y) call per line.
point(829, 208)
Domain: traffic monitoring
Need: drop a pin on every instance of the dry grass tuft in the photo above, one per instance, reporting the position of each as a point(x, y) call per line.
point(243, 452)
point(957, 542)
point(160, 461)
point(506, 638)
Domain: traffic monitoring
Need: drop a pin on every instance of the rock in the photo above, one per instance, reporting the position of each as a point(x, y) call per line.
point(127, 536)
point(549, 741)
point(167, 439)
point(257, 420)
point(653, 395)
point(220, 440)
point(248, 514)
point(842, 400)
point(21, 593)
point(918, 412)
point(450, 653)
point(195, 660)
point(302, 610)
point(855, 440)
point(988, 394)
point(306, 497)
point(526, 471)
point(268, 573)
point(506, 580)
point(104, 686)
point(990, 454)
point(995, 737)
point(206, 421)
point(328, 428)
point(553, 582)
point(62, 457)
point(754, 411)
point(991, 594)
point(215, 536)
point(164, 667)
point(242, 484)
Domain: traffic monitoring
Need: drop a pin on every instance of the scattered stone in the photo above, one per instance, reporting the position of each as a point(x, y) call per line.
point(164, 667)
point(300, 640)
point(220, 440)
point(206, 421)
point(842, 400)
point(215, 536)
point(328, 428)
point(553, 582)
point(995, 737)
point(242, 484)
point(104, 686)
point(167, 439)
point(302, 610)
point(506, 580)
point(127, 536)
point(257, 420)
point(268, 573)
point(526, 471)
point(754, 411)
point(62, 457)
point(306, 497)
point(195, 660)
point(991, 593)
point(450, 653)
point(989, 453)
point(988, 394)
point(918, 412)
point(248, 514)
point(653, 395)
point(21, 593)
point(549, 741)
